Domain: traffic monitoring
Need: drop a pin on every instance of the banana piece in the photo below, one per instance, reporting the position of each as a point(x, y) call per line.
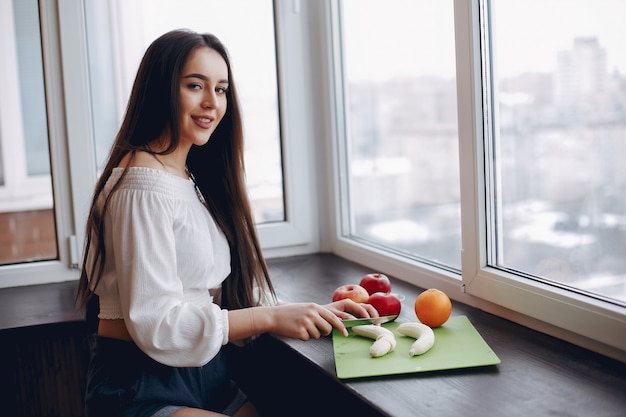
point(384, 340)
point(424, 335)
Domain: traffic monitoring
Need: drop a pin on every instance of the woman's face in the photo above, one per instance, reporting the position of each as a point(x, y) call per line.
point(202, 95)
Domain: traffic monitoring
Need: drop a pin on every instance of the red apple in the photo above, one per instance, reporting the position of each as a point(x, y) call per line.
point(376, 283)
point(355, 292)
point(385, 304)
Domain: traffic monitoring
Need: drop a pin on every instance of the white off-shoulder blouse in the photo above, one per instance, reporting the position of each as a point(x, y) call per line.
point(164, 252)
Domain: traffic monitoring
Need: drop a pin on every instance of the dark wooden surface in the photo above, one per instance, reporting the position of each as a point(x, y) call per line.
point(44, 354)
point(44, 351)
point(38, 305)
point(539, 375)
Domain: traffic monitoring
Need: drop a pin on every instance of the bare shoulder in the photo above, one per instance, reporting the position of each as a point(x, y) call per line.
point(141, 159)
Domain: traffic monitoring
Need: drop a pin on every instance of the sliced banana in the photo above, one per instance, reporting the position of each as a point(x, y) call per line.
point(384, 340)
point(424, 335)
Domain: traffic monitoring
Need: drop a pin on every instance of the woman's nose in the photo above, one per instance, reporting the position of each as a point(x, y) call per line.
point(210, 101)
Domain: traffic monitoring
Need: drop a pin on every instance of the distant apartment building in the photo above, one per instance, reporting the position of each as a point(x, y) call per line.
point(582, 81)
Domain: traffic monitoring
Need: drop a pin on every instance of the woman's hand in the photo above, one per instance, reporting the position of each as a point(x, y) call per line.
point(311, 321)
point(347, 309)
point(302, 321)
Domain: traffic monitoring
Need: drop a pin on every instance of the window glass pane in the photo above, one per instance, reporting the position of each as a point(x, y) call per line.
point(30, 67)
point(27, 223)
point(401, 121)
point(119, 33)
point(559, 141)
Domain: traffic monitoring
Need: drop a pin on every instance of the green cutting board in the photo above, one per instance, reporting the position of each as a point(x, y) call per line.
point(457, 345)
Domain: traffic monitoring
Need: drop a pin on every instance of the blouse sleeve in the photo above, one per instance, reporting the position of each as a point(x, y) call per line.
point(164, 324)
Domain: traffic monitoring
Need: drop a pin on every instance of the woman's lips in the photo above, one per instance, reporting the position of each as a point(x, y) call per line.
point(203, 121)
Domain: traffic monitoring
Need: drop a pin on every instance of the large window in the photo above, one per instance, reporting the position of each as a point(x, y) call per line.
point(27, 220)
point(401, 128)
point(479, 149)
point(558, 140)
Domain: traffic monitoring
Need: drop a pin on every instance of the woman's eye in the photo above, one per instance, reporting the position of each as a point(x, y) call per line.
point(194, 86)
point(221, 90)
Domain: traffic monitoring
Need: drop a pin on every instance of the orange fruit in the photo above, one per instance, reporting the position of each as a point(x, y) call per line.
point(433, 307)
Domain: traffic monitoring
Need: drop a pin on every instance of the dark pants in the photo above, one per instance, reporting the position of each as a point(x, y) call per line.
point(124, 381)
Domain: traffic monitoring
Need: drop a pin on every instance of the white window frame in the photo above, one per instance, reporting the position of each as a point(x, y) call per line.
point(61, 269)
point(297, 234)
point(602, 322)
point(590, 323)
point(20, 191)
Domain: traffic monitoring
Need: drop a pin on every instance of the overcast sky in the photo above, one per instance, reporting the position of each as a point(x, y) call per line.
point(407, 37)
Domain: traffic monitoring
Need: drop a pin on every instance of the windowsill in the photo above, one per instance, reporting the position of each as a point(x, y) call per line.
point(538, 373)
point(37, 305)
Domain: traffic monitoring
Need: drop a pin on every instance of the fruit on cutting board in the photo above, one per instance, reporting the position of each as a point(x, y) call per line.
point(385, 304)
point(384, 339)
point(354, 292)
point(433, 307)
point(424, 335)
point(376, 282)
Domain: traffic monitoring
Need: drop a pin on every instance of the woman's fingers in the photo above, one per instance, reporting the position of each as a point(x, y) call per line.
point(311, 321)
point(347, 308)
point(319, 321)
point(371, 311)
point(301, 321)
point(333, 320)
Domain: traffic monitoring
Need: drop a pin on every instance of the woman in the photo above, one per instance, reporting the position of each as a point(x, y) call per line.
point(171, 249)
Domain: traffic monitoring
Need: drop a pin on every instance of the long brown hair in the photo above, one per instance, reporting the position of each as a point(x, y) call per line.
point(218, 166)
